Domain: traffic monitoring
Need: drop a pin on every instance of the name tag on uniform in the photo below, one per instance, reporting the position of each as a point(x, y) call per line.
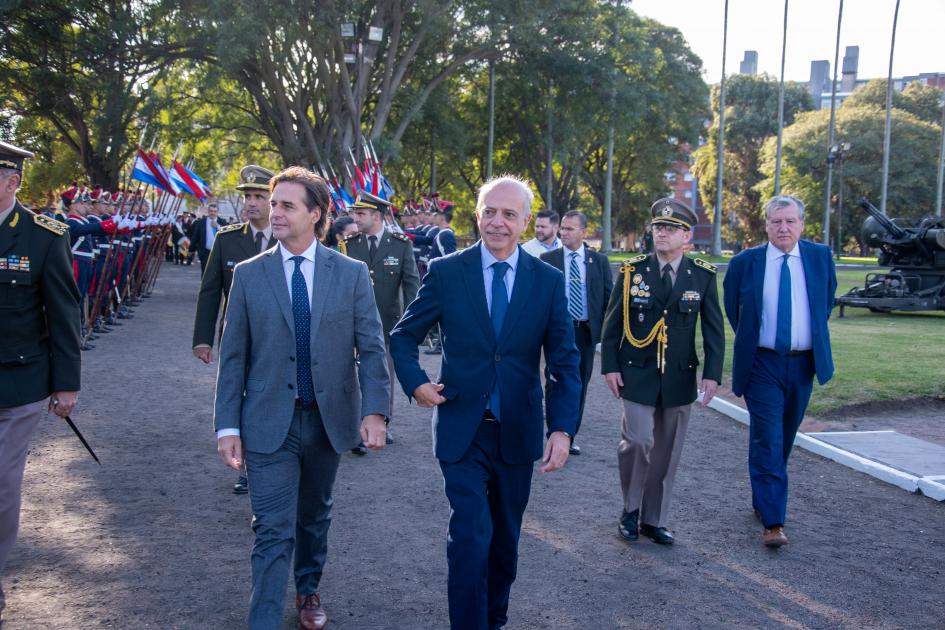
point(391, 260)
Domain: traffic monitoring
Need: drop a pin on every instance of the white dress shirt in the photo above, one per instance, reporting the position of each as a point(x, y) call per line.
point(536, 248)
point(288, 266)
point(487, 272)
point(800, 306)
point(582, 273)
point(211, 234)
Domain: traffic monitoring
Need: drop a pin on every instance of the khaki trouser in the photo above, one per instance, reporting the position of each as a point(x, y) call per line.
point(17, 425)
point(648, 455)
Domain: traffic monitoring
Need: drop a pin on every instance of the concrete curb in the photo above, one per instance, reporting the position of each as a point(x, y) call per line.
point(932, 487)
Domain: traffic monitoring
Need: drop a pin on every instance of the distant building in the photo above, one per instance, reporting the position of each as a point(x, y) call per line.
point(749, 65)
point(684, 187)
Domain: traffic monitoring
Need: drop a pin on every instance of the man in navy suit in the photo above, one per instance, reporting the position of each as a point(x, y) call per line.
point(588, 283)
point(778, 298)
point(497, 309)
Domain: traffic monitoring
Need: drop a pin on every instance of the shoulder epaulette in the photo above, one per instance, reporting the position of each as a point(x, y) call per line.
point(400, 236)
point(226, 229)
point(628, 263)
point(50, 224)
point(352, 237)
point(705, 265)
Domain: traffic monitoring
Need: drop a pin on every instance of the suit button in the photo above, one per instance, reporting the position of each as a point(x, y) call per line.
point(665, 312)
point(292, 359)
point(291, 386)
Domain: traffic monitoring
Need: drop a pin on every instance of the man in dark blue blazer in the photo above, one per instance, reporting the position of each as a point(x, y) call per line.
point(497, 309)
point(778, 298)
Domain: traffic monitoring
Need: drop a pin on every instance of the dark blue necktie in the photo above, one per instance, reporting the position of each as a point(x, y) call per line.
point(500, 304)
point(782, 339)
point(303, 329)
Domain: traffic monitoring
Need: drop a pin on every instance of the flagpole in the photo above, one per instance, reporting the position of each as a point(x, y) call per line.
point(888, 129)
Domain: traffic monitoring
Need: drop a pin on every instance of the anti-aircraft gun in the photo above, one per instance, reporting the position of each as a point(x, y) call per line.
point(915, 251)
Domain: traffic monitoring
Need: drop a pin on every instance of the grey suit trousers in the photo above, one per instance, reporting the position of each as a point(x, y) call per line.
point(648, 455)
point(17, 425)
point(290, 492)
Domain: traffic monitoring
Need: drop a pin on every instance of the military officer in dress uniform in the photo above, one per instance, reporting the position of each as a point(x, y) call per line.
point(393, 268)
point(648, 357)
point(39, 356)
point(232, 245)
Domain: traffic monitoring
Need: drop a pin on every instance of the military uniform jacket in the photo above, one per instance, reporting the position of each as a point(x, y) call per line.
point(393, 273)
point(694, 296)
point(232, 245)
point(39, 310)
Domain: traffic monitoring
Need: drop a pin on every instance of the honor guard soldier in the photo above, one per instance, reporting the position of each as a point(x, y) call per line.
point(232, 245)
point(39, 356)
point(392, 266)
point(82, 235)
point(648, 357)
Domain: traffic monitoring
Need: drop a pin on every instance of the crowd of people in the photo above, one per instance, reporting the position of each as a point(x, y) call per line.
point(317, 318)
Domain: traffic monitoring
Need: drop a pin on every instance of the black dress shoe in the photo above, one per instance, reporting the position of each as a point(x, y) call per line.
point(627, 527)
point(574, 449)
point(241, 486)
point(360, 449)
point(659, 535)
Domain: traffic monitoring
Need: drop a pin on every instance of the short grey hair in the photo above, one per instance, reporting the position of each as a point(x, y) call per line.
point(783, 201)
point(502, 180)
point(580, 216)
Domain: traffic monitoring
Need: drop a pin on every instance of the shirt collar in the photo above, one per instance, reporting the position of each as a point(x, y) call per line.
point(773, 253)
point(488, 259)
point(579, 252)
point(308, 254)
point(674, 264)
point(377, 234)
point(555, 244)
point(267, 232)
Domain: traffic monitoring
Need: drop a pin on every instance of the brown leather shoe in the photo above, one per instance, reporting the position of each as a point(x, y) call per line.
point(311, 614)
point(774, 536)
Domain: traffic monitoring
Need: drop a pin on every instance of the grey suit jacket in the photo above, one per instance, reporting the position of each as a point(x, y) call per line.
point(256, 378)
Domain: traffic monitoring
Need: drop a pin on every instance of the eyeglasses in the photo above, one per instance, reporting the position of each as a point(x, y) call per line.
point(666, 227)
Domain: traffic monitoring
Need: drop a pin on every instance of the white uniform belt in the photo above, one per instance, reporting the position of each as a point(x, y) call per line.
point(83, 254)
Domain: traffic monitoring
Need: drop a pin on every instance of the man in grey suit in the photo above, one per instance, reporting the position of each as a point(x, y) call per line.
point(298, 370)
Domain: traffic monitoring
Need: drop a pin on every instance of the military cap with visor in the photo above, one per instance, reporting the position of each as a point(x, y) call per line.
point(668, 211)
point(12, 157)
point(254, 177)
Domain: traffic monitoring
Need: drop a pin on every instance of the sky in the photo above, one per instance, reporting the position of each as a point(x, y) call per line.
point(812, 31)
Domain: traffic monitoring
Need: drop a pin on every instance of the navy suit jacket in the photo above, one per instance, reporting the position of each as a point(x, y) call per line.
point(744, 288)
point(453, 296)
point(598, 283)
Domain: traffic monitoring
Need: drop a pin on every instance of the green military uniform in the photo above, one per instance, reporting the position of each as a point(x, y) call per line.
point(233, 244)
point(39, 335)
point(649, 338)
point(40, 309)
point(393, 272)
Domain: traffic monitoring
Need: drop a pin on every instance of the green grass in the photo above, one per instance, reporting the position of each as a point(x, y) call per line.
point(877, 356)
point(846, 260)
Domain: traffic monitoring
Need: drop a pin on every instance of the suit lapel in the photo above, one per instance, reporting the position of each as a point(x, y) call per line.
point(12, 228)
point(520, 294)
point(383, 247)
point(758, 271)
point(321, 284)
point(247, 244)
point(476, 289)
point(683, 281)
point(810, 278)
point(276, 276)
point(592, 277)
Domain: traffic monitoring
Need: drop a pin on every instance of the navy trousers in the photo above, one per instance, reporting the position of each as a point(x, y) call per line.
point(776, 396)
point(487, 499)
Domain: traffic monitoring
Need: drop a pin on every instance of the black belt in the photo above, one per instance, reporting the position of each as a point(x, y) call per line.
point(488, 416)
point(580, 322)
point(791, 353)
point(300, 404)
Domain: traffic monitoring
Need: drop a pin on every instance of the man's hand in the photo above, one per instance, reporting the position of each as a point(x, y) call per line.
point(709, 387)
point(374, 431)
point(614, 382)
point(230, 449)
point(204, 353)
point(556, 452)
point(62, 403)
point(428, 395)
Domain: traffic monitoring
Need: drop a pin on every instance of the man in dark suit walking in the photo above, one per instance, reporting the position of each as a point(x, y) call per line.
point(778, 298)
point(302, 367)
point(648, 357)
point(497, 309)
point(203, 233)
point(587, 283)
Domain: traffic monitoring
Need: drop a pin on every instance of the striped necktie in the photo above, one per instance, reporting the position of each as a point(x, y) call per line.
point(575, 289)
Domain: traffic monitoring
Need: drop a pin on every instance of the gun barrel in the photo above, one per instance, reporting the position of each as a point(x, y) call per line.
point(882, 219)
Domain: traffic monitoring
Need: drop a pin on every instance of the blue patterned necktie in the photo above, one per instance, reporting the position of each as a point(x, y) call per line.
point(575, 289)
point(782, 339)
point(303, 329)
point(500, 304)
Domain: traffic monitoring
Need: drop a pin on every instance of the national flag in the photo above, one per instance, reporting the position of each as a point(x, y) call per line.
point(144, 171)
point(204, 185)
point(184, 181)
point(156, 160)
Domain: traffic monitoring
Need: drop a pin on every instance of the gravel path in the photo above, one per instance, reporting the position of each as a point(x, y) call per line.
point(154, 538)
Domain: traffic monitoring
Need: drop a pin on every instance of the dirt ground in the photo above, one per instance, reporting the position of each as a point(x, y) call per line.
point(154, 538)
